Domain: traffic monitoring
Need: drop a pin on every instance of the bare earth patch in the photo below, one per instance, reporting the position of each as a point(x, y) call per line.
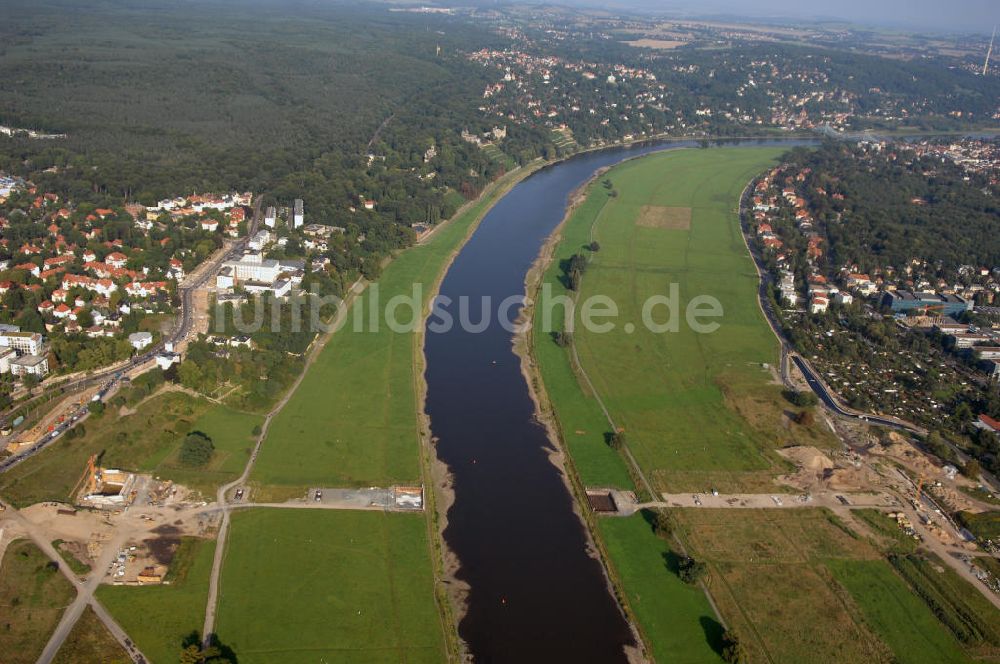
point(669, 218)
point(664, 44)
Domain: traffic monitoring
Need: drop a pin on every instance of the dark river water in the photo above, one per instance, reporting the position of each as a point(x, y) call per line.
point(536, 595)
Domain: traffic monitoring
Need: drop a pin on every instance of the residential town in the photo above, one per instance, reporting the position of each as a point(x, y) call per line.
point(918, 340)
point(74, 275)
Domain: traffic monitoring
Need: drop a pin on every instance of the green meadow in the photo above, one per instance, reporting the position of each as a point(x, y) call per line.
point(896, 614)
point(33, 596)
point(696, 408)
point(329, 586)
point(676, 618)
point(147, 440)
point(353, 419)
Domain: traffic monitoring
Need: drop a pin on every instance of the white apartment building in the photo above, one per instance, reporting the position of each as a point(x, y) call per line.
point(30, 365)
point(25, 343)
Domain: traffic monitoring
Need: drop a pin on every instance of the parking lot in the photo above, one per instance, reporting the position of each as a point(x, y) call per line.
point(370, 498)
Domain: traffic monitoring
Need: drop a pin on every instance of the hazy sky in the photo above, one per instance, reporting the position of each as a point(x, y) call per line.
point(965, 15)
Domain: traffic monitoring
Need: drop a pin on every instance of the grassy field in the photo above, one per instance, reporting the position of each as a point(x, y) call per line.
point(698, 409)
point(896, 614)
point(90, 642)
point(578, 414)
point(676, 617)
point(159, 618)
point(970, 617)
point(147, 440)
point(769, 579)
point(984, 525)
point(311, 586)
point(33, 595)
point(352, 422)
point(231, 432)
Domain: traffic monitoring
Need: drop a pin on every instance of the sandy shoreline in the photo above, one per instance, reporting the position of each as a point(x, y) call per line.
point(452, 592)
point(544, 415)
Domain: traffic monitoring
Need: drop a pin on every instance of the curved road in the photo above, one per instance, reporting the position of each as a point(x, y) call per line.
point(204, 272)
point(822, 391)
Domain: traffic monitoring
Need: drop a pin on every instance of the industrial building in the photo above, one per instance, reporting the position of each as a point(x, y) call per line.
point(902, 301)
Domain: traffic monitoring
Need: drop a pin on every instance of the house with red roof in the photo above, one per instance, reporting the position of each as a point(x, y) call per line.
point(145, 288)
point(29, 267)
point(56, 261)
point(987, 423)
point(116, 259)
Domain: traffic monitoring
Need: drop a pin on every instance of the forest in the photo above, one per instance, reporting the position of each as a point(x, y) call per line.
point(283, 100)
point(899, 206)
point(337, 103)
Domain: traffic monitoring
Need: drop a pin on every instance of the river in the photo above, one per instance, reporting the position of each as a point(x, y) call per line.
point(536, 591)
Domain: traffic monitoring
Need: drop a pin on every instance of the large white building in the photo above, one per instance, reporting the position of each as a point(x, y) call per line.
point(140, 340)
point(254, 267)
point(30, 365)
point(25, 343)
point(298, 216)
point(270, 217)
point(261, 239)
point(256, 274)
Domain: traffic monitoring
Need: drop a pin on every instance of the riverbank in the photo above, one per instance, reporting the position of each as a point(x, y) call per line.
point(701, 411)
point(579, 428)
point(451, 593)
point(521, 343)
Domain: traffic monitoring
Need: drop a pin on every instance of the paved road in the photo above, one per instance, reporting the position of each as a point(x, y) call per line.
point(829, 399)
point(788, 356)
point(196, 280)
point(853, 500)
point(213, 589)
point(85, 589)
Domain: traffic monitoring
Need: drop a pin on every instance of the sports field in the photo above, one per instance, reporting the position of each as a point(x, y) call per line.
point(329, 586)
point(353, 421)
point(698, 409)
